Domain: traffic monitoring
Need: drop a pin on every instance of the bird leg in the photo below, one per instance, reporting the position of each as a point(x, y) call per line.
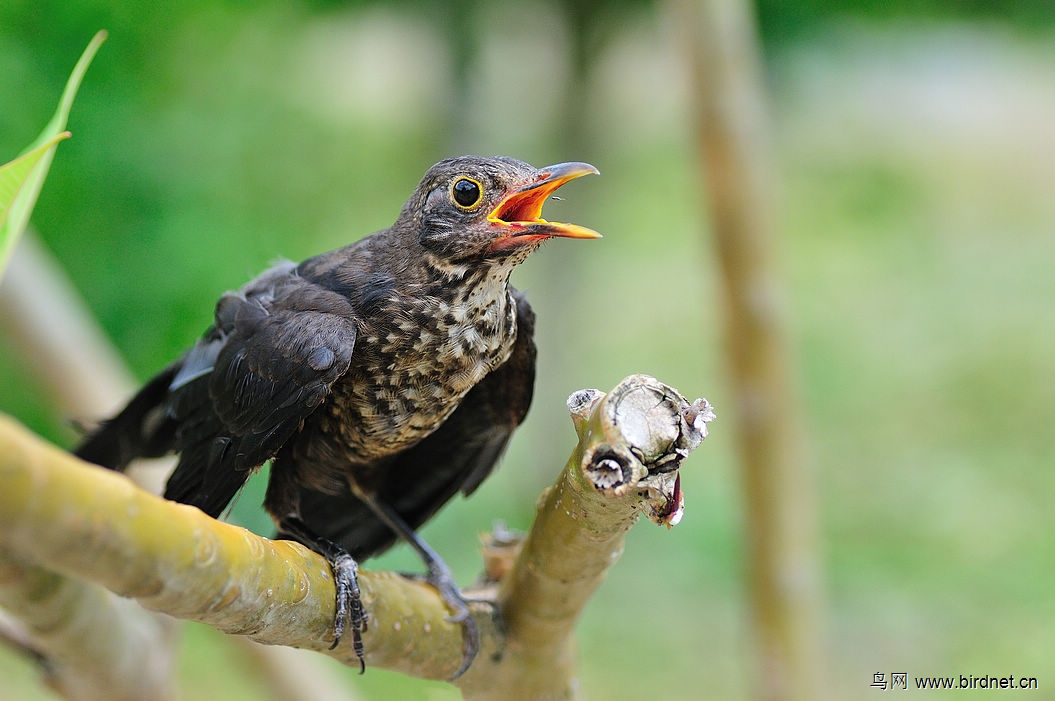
point(350, 611)
point(439, 576)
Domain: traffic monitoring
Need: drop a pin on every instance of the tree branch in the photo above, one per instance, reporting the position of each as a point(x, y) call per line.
point(62, 613)
point(631, 443)
point(94, 524)
point(45, 318)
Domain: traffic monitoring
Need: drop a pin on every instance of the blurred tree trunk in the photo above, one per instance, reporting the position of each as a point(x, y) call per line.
point(731, 126)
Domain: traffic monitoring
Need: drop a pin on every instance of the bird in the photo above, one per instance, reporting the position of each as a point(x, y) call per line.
point(380, 378)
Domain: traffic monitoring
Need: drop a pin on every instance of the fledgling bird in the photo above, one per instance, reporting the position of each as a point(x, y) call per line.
point(380, 378)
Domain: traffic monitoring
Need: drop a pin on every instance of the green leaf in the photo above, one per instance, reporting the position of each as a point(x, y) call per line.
point(16, 175)
point(22, 178)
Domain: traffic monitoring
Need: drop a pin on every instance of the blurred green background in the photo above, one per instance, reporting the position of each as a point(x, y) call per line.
point(916, 150)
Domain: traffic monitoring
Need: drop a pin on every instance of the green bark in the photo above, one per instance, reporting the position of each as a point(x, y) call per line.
point(631, 443)
point(85, 523)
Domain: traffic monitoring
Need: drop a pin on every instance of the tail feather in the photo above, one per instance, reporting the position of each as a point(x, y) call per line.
point(141, 430)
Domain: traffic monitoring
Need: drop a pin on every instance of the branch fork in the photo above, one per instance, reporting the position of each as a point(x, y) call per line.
point(91, 524)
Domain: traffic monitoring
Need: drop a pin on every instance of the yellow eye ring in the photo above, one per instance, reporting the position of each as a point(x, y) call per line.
point(466, 192)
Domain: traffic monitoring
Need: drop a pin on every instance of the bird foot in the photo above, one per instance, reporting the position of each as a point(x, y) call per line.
point(443, 580)
point(350, 614)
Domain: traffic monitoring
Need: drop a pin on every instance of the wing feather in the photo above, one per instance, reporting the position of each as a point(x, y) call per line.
point(277, 348)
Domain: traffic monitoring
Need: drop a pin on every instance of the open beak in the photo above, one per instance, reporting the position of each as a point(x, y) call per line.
point(519, 215)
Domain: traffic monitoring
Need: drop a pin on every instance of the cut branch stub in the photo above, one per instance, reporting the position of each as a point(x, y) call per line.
point(631, 442)
point(645, 429)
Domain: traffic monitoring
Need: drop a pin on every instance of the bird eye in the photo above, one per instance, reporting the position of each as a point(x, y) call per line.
point(466, 192)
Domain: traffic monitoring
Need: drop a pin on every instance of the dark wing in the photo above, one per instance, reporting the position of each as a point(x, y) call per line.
point(457, 456)
point(141, 430)
point(277, 347)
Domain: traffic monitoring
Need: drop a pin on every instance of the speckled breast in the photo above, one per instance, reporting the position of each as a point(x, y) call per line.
point(411, 369)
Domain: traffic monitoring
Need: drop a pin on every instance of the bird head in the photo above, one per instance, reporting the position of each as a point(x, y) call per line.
point(470, 208)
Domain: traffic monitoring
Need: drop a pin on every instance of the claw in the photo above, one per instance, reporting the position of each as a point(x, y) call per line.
point(441, 578)
point(350, 611)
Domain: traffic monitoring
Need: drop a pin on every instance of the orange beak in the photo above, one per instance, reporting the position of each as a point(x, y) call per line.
point(518, 215)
